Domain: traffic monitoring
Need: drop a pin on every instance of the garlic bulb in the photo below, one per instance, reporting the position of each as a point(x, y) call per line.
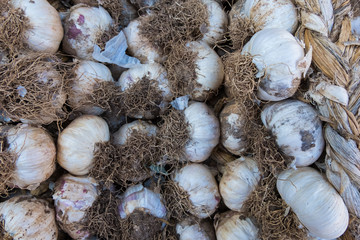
point(35, 153)
point(204, 131)
point(297, 129)
point(45, 31)
point(280, 61)
point(159, 95)
point(264, 14)
point(233, 226)
point(76, 143)
point(121, 136)
point(232, 126)
point(315, 202)
point(87, 75)
point(199, 183)
point(238, 181)
point(83, 27)
point(26, 217)
point(190, 229)
point(72, 197)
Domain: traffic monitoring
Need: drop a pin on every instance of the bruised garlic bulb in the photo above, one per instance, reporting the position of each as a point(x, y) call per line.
point(190, 229)
point(233, 226)
point(199, 183)
point(88, 74)
point(297, 129)
point(315, 202)
point(76, 144)
point(83, 27)
point(72, 197)
point(26, 217)
point(280, 61)
point(238, 181)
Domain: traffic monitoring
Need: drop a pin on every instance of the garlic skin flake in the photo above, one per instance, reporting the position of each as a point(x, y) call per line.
point(72, 197)
point(297, 129)
point(76, 143)
point(280, 61)
point(26, 217)
point(35, 152)
point(45, 31)
point(315, 202)
point(198, 181)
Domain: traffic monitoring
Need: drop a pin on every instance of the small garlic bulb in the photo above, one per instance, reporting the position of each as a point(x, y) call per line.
point(45, 31)
point(76, 143)
point(233, 226)
point(297, 129)
point(190, 229)
point(26, 217)
point(72, 197)
point(199, 183)
point(238, 181)
point(87, 75)
point(83, 27)
point(35, 154)
point(315, 202)
point(280, 61)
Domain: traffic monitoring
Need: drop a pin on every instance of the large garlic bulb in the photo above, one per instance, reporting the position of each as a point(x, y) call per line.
point(264, 14)
point(72, 197)
point(280, 61)
point(87, 75)
point(315, 202)
point(45, 31)
point(199, 183)
point(83, 27)
point(190, 229)
point(238, 181)
point(26, 217)
point(233, 226)
point(35, 153)
point(76, 144)
point(297, 129)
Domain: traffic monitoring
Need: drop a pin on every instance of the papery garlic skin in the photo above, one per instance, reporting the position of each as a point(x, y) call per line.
point(26, 217)
point(233, 226)
point(72, 197)
point(280, 61)
point(138, 197)
point(87, 75)
point(83, 27)
point(35, 155)
point(240, 178)
point(190, 229)
point(265, 14)
point(198, 181)
point(297, 129)
point(315, 202)
point(76, 143)
point(121, 136)
point(45, 31)
point(204, 131)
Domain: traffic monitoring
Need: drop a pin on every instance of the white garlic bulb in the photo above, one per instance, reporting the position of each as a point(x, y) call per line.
point(121, 136)
point(240, 178)
point(87, 75)
point(26, 217)
point(83, 27)
point(315, 202)
point(156, 75)
point(266, 14)
point(35, 154)
point(191, 229)
point(232, 124)
point(233, 226)
point(297, 129)
point(76, 143)
point(45, 31)
point(72, 197)
point(204, 131)
point(198, 181)
point(280, 61)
